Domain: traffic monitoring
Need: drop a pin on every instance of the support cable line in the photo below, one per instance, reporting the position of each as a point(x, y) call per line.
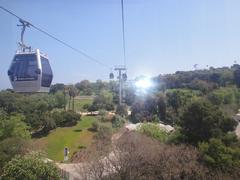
point(123, 34)
point(57, 39)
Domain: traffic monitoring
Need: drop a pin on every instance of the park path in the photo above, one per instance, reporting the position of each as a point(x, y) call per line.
point(237, 130)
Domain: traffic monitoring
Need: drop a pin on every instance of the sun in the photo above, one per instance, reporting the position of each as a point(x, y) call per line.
point(144, 83)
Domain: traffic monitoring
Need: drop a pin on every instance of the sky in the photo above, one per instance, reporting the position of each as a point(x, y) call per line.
point(162, 36)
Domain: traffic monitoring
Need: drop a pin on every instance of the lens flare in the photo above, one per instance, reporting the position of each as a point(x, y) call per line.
point(144, 83)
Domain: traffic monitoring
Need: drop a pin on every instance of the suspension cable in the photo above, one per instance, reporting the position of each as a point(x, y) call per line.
point(123, 34)
point(57, 39)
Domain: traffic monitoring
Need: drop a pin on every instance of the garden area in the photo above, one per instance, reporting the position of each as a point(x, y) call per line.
point(75, 138)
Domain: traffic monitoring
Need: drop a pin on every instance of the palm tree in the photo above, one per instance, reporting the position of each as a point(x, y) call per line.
point(73, 92)
point(65, 90)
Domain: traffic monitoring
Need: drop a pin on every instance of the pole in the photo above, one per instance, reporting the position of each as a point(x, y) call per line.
point(120, 69)
point(120, 87)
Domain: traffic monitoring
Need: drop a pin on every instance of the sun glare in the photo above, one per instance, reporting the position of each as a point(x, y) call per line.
point(144, 83)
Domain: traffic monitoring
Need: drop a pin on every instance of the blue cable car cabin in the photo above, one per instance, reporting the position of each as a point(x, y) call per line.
point(30, 72)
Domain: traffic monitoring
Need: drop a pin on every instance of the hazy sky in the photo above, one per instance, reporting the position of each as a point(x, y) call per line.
point(162, 36)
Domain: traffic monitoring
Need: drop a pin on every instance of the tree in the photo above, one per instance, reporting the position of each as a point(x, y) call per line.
point(129, 96)
point(73, 92)
point(122, 110)
point(9, 101)
point(11, 147)
point(219, 156)
point(103, 101)
point(236, 75)
point(137, 112)
point(202, 121)
point(65, 118)
point(60, 99)
point(13, 126)
point(161, 107)
point(49, 123)
point(56, 87)
point(201, 85)
point(175, 100)
point(29, 167)
point(65, 91)
point(117, 121)
point(135, 156)
point(84, 87)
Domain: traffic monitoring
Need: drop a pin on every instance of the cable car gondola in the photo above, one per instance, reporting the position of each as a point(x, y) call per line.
point(30, 71)
point(111, 76)
point(124, 76)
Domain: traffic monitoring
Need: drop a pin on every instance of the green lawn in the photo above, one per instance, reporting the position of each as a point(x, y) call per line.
point(80, 101)
point(71, 137)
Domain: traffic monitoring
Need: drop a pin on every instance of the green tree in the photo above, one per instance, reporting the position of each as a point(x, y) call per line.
point(117, 121)
point(73, 92)
point(84, 87)
point(122, 110)
point(103, 101)
point(161, 107)
point(60, 99)
point(236, 75)
point(11, 147)
point(65, 118)
point(202, 121)
point(29, 167)
point(13, 126)
point(56, 87)
point(218, 156)
point(175, 100)
point(129, 96)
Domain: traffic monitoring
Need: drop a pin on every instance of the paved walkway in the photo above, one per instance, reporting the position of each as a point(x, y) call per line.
point(238, 130)
point(237, 117)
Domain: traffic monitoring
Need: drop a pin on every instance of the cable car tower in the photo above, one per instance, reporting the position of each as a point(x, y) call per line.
point(122, 70)
point(122, 77)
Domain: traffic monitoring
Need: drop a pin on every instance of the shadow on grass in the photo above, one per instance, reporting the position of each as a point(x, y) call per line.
point(40, 134)
point(92, 129)
point(77, 130)
point(82, 147)
point(92, 115)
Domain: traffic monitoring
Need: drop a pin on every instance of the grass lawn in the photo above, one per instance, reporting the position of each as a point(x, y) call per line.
point(80, 101)
point(71, 137)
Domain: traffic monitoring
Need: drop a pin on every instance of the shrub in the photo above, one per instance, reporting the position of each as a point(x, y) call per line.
point(86, 106)
point(29, 167)
point(104, 132)
point(154, 131)
point(102, 112)
point(66, 118)
point(218, 156)
point(202, 121)
point(95, 126)
point(122, 110)
point(11, 147)
point(117, 121)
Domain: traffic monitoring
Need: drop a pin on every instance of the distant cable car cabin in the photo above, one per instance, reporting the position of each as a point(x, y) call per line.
point(111, 76)
point(124, 76)
point(30, 70)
